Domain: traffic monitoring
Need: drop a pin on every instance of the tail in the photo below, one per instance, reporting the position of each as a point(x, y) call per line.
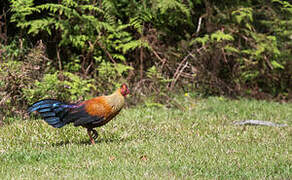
point(52, 111)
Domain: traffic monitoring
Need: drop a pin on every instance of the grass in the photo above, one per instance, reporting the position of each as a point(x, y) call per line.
point(157, 143)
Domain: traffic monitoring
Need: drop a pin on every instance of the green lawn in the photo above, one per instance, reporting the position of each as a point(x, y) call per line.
point(157, 143)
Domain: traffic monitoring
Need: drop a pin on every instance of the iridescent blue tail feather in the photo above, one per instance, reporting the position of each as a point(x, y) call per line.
point(52, 111)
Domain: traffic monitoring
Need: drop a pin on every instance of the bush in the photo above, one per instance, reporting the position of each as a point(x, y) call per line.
point(59, 85)
point(16, 75)
point(239, 59)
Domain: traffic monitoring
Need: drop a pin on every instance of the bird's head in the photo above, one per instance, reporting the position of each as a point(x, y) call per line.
point(124, 90)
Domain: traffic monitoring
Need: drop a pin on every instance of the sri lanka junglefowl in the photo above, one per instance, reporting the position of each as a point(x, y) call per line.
point(91, 113)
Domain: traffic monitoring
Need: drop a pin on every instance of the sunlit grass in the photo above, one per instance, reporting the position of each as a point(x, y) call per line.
point(156, 143)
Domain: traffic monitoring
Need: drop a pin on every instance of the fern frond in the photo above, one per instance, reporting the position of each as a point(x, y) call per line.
point(133, 45)
point(41, 25)
point(61, 9)
point(91, 8)
point(220, 36)
point(166, 5)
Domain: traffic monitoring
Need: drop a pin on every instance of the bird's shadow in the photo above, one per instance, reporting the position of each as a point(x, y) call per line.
point(87, 142)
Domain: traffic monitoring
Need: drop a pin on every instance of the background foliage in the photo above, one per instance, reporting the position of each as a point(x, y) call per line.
point(72, 50)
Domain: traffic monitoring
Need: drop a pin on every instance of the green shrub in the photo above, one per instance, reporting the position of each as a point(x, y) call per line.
point(16, 49)
point(110, 76)
point(83, 30)
point(16, 75)
point(59, 85)
point(239, 58)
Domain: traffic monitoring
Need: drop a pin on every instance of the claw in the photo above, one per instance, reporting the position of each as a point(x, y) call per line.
point(95, 134)
point(90, 136)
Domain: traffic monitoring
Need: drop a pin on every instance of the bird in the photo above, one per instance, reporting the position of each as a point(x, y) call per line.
point(89, 114)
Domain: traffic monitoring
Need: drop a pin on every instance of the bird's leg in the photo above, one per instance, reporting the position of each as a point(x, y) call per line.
point(90, 136)
point(95, 134)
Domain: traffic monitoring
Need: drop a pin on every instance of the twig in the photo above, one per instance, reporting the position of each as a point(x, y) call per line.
point(59, 59)
point(179, 70)
point(141, 62)
point(224, 55)
point(107, 53)
point(200, 22)
point(199, 25)
point(178, 75)
point(159, 58)
point(268, 63)
point(88, 67)
point(3, 33)
point(259, 122)
point(187, 75)
point(89, 53)
point(138, 85)
point(3, 100)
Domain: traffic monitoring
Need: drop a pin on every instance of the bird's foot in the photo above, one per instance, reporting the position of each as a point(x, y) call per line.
point(90, 132)
point(95, 134)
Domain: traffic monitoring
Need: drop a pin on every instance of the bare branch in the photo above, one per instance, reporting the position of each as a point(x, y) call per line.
point(199, 25)
point(106, 51)
point(259, 122)
point(59, 59)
